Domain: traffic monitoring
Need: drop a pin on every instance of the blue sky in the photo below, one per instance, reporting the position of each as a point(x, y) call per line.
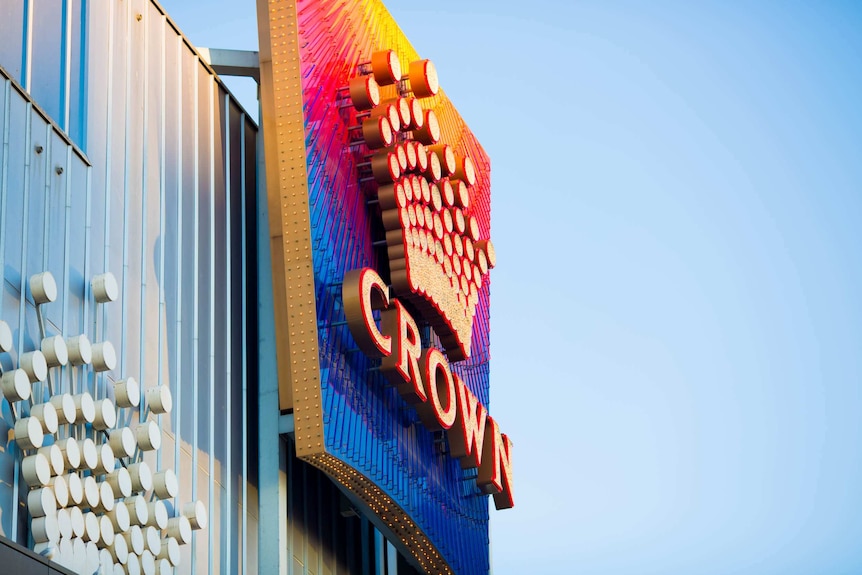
point(676, 327)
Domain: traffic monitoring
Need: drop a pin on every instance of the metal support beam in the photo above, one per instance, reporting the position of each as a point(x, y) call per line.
point(272, 525)
point(232, 62)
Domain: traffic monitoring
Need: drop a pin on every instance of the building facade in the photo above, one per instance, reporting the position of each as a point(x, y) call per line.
point(232, 348)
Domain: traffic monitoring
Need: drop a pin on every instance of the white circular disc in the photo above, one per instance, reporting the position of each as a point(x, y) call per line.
point(154, 540)
point(133, 565)
point(85, 408)
point(43, 287)
point(163, 567)
point(78, 524)
point(119, 518)
point(64, 521)
point(196, 511)
point(15, 385)
point(92, 529)
point(36, 470)
point(180, 529)
point(35, 364)
point(142, 477)
point(107, 461)
point(106, 562)
point(159, 399)
point(41, 502)
point(71, 452)
point(55, 457)
point(80, 350)
point(148, 563)
point(106, 415)
point(106, 529)
point(127, 393)
point(28, 433)
point(92, 562)
point(121, 482)
point(120, 550)
point(64, 404)
point(106, 497)
point(170, 551)
point(122, 442)
point(61, 490)
point(104, 356)
point(139, 511)
point(47, 415)
point(149, 436)
point(45, 529)
point(91, 492)
point(89, 454)
point(6, 341)
point(135, 539)
point(66, 551)
point(55, 351)
point(158, 514)
point(165, 484)
point(79, 551)
point(76, 488)
point(105, 288)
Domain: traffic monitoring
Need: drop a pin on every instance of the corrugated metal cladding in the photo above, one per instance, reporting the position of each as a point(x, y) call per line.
point(159, 191)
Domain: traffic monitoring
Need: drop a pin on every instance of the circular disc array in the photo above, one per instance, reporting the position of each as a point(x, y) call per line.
point(93, 502)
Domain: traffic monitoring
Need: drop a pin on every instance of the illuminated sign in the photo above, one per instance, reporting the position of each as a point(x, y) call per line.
point(424, 379)
point(437, 258)
point(378, 198)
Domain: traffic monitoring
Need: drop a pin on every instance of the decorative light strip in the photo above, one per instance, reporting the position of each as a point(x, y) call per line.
point(95, 506)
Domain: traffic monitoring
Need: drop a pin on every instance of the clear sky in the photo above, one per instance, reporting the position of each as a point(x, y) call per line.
point(677, 320)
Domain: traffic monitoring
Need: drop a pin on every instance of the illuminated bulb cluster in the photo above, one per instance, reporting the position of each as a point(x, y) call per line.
point(437, 257)
point(95, 506)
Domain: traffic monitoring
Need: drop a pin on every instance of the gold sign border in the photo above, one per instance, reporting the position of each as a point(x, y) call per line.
point(289, 223)
point(293, 273)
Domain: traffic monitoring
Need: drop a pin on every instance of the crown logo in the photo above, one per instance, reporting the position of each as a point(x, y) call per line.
point(438, 256)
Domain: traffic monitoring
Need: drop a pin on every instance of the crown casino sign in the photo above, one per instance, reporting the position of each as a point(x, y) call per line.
point(379, 213)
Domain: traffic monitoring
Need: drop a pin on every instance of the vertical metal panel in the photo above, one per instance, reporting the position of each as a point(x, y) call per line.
point(22, 301)
point(158, 40)
point(174, 51)
point(5, 103)
point(66, 63)
point(27, 46)
point(6, 466)
point(46, 59)
point(244, 548)
point(195, 327)
point(212, 328)
point(17, 171)
point(11, 37)
point(227, 351)
point(78, 64)
point(164, 209)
